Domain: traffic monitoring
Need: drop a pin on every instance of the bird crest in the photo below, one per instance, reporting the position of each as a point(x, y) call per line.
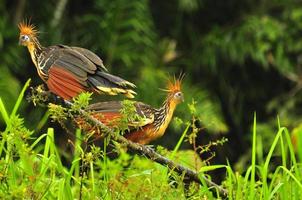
point(27, 29)
point(174, 85)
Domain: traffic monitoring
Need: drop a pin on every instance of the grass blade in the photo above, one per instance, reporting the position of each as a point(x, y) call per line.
point(253, 167)
point(180, 141)
point(19, 100)
point(4, 113)
point(210, 168)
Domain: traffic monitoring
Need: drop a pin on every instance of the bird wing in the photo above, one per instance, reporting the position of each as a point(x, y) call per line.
point(87, 71)
point(67, 71)
point(91, 56)
point(112, 110)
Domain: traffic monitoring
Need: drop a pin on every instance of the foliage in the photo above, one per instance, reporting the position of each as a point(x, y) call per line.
point(36, 171)
point(81, 101)
point(129, 114)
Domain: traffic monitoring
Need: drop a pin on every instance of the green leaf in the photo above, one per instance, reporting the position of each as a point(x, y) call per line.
point(210, 168)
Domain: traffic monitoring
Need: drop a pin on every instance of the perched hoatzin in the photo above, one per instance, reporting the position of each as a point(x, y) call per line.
point(69, 71)
point(153, 121)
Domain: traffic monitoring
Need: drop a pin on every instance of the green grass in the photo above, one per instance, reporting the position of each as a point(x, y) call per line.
point(31, 168)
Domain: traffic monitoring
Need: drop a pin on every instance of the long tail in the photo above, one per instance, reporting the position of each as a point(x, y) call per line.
point(110, 84)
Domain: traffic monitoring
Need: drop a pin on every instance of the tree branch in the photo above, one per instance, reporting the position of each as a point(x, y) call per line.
point(58, 13)
point(149, 152)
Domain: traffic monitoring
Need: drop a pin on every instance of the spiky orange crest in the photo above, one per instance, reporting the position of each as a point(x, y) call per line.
point(174, 85)
point(27, 29)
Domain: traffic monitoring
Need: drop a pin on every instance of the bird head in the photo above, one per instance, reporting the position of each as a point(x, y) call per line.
point(28, 34)
point(175, 94)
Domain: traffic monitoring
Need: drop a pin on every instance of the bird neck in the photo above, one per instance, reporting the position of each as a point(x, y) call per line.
point(164, 114)
point(35, 49)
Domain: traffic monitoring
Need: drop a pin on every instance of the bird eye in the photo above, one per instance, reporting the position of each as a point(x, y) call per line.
point(24, 38)
point(178, 94)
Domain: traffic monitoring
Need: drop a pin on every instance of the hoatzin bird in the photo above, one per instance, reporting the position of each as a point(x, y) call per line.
point(154, 121)
point(69, 71)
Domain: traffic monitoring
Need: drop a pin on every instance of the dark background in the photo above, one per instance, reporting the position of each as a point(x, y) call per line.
point(239, 57)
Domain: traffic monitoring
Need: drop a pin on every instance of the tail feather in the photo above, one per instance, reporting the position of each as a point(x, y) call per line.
point(130, 94)
point(115, 79)
point(99, 82)
point(110, 87)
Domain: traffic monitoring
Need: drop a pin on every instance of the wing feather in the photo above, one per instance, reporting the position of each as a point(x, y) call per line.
point(91, 56)
point(53, 87)
point(81, 74)
point(115, 79)
point(63, 83)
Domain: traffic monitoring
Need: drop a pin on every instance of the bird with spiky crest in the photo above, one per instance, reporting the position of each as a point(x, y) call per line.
point(68, 71)
point(152, 124)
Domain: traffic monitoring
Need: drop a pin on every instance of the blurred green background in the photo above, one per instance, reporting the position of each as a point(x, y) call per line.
point(239, 57)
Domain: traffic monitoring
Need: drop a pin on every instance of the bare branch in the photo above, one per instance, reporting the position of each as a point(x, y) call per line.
point(58, 12)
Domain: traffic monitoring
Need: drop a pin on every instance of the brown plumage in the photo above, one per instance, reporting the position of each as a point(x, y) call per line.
point(154, 121)
point(69, 71)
